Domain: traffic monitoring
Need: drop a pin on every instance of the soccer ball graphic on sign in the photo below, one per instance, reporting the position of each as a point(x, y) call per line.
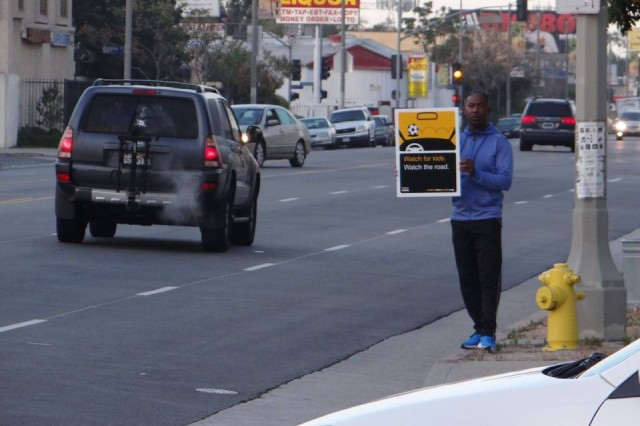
point(413, 130)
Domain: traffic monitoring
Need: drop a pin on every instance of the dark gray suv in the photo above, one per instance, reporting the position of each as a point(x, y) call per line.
point(146, 152)
point(547, 121)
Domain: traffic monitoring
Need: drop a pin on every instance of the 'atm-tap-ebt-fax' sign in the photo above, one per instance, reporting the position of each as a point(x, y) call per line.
point(427, 152)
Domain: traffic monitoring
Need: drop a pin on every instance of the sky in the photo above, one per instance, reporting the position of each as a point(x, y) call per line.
point(472, 4)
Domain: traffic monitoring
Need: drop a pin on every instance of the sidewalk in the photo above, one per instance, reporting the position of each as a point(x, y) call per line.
point(424, 357)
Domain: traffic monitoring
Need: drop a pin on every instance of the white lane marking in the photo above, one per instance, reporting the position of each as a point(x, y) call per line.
point(21, 325)
point(521, 202)
point(217, 391)
point(380, 186)
point(615, 180)
point(255, 268)
point(286, 200)
point(443, 220)
point(156, 291)
point(397, 231)
point(340, 247)
point(548, 196)
point(338, 192)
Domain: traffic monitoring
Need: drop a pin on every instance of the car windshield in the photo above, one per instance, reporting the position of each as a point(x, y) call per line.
point(340, 116)
point(314, 123)
point(505, 123)
point(631, 115)
point(160, 116)
point(549, 109)
point(613, 359)
point(248, 116)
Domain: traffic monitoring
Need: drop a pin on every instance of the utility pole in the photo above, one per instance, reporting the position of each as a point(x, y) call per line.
point(128, 29)
point(343, 54)
point(254, 52)
point(602, 314)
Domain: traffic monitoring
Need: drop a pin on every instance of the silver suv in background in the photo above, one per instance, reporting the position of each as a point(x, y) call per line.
point(354, 127)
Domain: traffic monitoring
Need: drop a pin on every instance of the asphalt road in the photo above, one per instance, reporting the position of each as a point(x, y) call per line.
point(147, 329)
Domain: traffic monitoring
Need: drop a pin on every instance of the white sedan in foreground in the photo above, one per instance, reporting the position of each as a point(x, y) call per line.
point(589, 392)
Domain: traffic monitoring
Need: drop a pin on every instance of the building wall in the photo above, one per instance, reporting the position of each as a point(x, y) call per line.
point(33, 45)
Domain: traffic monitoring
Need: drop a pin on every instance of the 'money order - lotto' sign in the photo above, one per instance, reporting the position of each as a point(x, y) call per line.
point(328, 12)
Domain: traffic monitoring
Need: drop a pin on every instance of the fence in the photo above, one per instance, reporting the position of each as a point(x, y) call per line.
point(48, 104)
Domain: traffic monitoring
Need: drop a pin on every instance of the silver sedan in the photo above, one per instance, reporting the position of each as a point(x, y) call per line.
point(282, 136)
point(323, 134)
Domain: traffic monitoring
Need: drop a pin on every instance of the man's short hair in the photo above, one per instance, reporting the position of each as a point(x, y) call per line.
point(478, 92)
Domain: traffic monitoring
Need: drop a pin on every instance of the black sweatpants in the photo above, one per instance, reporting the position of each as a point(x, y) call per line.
point(477, 245)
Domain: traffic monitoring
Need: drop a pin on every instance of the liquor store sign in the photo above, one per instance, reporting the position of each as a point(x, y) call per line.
point(328, 12)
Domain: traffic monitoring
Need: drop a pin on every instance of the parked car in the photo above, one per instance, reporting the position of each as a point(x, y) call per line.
point(384, 133)
point(354, 126)
point(591, 391)
point(146, 153)
point(281, 135)
point(627, 124)
point(547, 121)
point(509, 126)
point(323, 134)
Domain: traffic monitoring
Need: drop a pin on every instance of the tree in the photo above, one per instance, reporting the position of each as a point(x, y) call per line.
point(158, 45)
point(435, 31)
point(229, 64)
point(624, 14)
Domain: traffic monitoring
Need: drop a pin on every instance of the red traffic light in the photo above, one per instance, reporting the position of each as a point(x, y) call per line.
point(455, 99)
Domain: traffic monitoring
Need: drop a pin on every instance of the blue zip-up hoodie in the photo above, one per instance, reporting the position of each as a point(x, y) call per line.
point(481, 195)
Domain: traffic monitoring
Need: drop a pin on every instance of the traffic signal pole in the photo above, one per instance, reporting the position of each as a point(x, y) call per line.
point(603, 311)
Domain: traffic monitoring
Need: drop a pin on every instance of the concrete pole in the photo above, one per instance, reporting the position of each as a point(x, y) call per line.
point(128, 29)
point(602, 312)
point(254, 52)
point(317, 66)
point(343, 55)
point(398, 51)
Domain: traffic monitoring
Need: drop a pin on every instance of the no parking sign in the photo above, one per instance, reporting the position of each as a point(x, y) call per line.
point(427, 152)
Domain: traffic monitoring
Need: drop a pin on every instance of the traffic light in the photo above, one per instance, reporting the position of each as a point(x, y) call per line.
point(455, 98)
point(394, 66)
point(521, 10)
point(296, 70)
point(294, 96)
point(456, 73)
point(323, 94)
point(325, 68)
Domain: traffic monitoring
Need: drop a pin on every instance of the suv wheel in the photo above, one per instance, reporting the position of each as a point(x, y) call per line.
point(260, 152)
point(103, 229)
point(70, 230)
point(299, 156)
point(243, 231)
point(218, 239)
point(524, 145)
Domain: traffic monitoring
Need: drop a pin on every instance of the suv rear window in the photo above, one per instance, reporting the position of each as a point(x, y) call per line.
point(340, 116)
point(549, 109)
point(163, 117)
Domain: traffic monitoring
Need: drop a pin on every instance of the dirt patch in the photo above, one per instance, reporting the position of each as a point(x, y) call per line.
point(528, 343)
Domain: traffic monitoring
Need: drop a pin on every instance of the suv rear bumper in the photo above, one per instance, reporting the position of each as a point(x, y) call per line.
point(543, 137)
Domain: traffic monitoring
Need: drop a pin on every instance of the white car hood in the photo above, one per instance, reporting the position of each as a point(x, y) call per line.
point(520, 398)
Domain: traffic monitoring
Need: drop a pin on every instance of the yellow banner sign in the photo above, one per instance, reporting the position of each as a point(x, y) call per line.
point(417, 67)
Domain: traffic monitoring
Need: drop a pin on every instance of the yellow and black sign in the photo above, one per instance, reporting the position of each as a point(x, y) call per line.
point(427, 152)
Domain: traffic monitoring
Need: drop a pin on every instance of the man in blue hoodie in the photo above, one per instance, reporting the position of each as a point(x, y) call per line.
point(486, 166)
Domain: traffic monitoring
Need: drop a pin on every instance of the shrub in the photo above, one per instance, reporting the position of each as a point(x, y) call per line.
point(30, 136)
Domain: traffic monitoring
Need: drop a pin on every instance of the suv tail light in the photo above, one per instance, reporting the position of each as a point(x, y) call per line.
point(211, 153)
point(66, 144)
point(528, 119)
point(568, 121)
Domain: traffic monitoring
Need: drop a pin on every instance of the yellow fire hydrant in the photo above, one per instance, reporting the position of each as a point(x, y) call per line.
point(559, 298)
